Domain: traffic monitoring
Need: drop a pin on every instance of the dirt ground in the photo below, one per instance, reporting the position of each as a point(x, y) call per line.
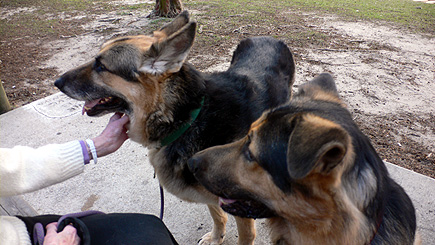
point(384, 73)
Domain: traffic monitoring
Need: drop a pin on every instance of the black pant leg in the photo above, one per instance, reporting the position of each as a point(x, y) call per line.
point(127, 228)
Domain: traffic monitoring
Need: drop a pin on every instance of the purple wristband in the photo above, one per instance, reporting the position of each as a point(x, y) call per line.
point(85, 152)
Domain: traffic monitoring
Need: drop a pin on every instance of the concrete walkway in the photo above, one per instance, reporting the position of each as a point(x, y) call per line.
point(124, 181)
point(425, 1)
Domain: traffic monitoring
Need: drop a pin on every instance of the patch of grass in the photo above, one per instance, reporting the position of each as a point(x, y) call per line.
point(27, 24)
point(136, 6)
point(416, 16)
point(60, 5)
point(156, 24)
point(43, 17)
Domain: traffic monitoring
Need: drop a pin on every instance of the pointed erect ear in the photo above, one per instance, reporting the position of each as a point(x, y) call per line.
point(169, 54)
point(316, 145)
point(181, 20)
point(322, 83)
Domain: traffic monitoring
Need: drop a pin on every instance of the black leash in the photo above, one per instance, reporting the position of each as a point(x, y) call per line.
point(162, 202)
point(162, 199)
point(171, 138)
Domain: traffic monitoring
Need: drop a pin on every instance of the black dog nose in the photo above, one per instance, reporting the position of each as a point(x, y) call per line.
point(59, 83)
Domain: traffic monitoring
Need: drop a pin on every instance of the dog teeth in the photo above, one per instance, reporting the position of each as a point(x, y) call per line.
point(90, 104)
point(105, 100)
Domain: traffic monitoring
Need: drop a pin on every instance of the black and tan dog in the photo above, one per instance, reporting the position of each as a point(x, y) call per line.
point(307, 167)
point(177, 111)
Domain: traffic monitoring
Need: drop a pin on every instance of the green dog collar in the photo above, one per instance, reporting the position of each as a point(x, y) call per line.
point(177, 133)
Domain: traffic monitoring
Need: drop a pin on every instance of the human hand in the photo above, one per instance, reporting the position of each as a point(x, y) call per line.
point(113, 136)
point(67, 236)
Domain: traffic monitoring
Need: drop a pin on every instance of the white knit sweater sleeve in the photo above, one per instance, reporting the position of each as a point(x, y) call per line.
point(25, 169)
point(13, 231)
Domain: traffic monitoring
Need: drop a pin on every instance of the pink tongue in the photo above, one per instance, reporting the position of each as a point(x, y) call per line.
point(223, 201)
point(88, 105)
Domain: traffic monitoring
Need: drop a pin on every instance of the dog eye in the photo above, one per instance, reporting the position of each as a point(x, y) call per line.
point(248, 155)
point(247, 152)
point(100, 67)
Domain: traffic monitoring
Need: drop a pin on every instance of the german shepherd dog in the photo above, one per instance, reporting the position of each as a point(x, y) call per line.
point(177, 111)
point(308, 168)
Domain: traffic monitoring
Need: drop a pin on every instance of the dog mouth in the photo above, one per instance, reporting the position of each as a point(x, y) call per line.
point(104, 105)
point(245, 208)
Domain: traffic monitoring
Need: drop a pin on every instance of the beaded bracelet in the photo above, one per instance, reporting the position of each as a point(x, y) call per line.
point(93, 150)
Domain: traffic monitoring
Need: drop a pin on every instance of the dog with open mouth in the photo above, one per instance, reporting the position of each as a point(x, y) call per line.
point(308, 168)
point(175, 110)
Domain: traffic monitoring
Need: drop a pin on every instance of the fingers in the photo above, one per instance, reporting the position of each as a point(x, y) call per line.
point(115, 116)
point(52, 227)
point(67, 236)
point(113, 136)
point(69, 229)
point(123, 119)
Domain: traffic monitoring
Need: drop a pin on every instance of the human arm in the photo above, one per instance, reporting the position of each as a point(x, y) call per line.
point(25, 169)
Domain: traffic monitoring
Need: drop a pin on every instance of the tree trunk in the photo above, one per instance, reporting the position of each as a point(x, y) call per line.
point(167, 8)
point(4, 103)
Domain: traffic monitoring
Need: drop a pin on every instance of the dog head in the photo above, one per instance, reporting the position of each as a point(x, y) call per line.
point(287, 165)
point(134, 75)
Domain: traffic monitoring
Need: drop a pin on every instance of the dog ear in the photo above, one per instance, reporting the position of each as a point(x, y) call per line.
point(169, 54)
point(323, 83)
point(181, 20)
point(316, 145)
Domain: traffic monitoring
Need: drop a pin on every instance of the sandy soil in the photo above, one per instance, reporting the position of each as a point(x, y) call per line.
point(386, 75)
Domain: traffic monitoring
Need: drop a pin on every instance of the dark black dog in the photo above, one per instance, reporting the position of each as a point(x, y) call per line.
point(308, 168)
point(177, 111)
